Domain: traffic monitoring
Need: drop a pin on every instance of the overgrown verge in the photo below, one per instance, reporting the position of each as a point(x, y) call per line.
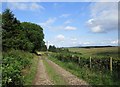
point(30, 72)
point(14, 61)
point(91, 76)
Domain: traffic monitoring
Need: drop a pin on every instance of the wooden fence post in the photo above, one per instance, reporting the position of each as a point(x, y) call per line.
point(111, 64)
point(90, 62)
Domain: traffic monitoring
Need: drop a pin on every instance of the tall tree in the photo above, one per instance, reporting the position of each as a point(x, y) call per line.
point(34, 33)
point(10, 29)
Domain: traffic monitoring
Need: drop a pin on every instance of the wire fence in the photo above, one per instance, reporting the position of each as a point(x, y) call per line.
point(103, 64)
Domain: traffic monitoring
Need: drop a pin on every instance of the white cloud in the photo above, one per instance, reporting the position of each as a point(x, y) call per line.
point(67, 22)
point(104, 17)
point(48, 22)
point(25, 6)
point(114, 42)
point(35, 6)
point(86, 43)
point(97, 29)
point(70, 28)
point(65, 15)
point(60, 37)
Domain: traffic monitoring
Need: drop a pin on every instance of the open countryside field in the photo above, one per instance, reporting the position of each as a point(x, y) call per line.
point(97, 52)
point(41, 44)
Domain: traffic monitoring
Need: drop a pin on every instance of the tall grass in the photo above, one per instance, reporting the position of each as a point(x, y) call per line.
point(30, 72)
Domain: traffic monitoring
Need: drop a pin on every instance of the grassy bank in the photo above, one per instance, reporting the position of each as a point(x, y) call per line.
point(54, 76)
point(30, 72)
point(92, 77)
point(18, 68)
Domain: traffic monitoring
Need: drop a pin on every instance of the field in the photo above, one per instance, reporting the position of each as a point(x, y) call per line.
point(99, 70)
point(105, 52)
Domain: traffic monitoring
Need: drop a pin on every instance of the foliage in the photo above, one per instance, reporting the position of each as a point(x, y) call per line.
point(24, 36)
point(55, 49)
point(93, 77)
point(34, 33)
point(13, 62)
point(52, 48)
point(17, 36)
point(101, 64)
point(43, 48)
point(30, 72)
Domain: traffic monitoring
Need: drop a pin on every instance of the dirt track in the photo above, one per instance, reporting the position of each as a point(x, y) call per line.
point(42, 77)
point(70, 78)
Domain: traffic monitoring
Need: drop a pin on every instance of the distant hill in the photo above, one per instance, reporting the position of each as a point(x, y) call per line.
point(90, 46)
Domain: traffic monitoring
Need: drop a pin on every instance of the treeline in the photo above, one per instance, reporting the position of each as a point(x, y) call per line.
point(21, 35)
point(55, 49)
point(18, 40)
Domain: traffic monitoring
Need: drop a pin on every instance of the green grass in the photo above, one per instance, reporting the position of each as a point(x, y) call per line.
point(92, 77)
point(54, 76)
point(106, 51)
point(29, 73)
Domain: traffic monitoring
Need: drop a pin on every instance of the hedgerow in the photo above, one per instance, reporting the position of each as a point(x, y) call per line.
point(13, 62)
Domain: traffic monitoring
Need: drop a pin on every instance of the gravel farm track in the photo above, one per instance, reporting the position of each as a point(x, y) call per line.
point(42, 77)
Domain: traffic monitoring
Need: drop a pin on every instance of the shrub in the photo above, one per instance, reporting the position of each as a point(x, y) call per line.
point(13, 62)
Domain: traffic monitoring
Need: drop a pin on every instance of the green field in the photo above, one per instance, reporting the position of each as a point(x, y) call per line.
point(96, 72)
point(106, 51)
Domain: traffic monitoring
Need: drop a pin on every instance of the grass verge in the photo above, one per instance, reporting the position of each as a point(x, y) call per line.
point(29, 73)
point(92, 77)
point(54, 76)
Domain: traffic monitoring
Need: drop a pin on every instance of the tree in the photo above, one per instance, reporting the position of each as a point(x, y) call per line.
point(10, 29)
point(44, 48)
point(24, 36)
point(52, 48)
point(34, 33)
point(9, 22)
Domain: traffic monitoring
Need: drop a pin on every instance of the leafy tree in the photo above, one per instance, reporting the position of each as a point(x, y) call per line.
point(34, 33)
point(10, 29)
point(24, 36)
point(52, 48)
point(9, 22)
point(44, 48)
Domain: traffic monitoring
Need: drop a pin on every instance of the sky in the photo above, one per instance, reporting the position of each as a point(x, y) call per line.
point(67, 24)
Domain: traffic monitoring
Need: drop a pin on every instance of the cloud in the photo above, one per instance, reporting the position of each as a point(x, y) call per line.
point(67, 22)
point(60, 37)
point(25, 6)
point(48, 22)
point(64, 15)
point(86, 43)
point(97, 29)
point(114, 42)
point(104, 17)
point(70, 28)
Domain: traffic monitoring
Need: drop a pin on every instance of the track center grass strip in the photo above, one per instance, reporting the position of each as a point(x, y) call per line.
point(54, 76)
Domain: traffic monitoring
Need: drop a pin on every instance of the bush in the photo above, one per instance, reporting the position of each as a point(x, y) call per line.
point(13, 62)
